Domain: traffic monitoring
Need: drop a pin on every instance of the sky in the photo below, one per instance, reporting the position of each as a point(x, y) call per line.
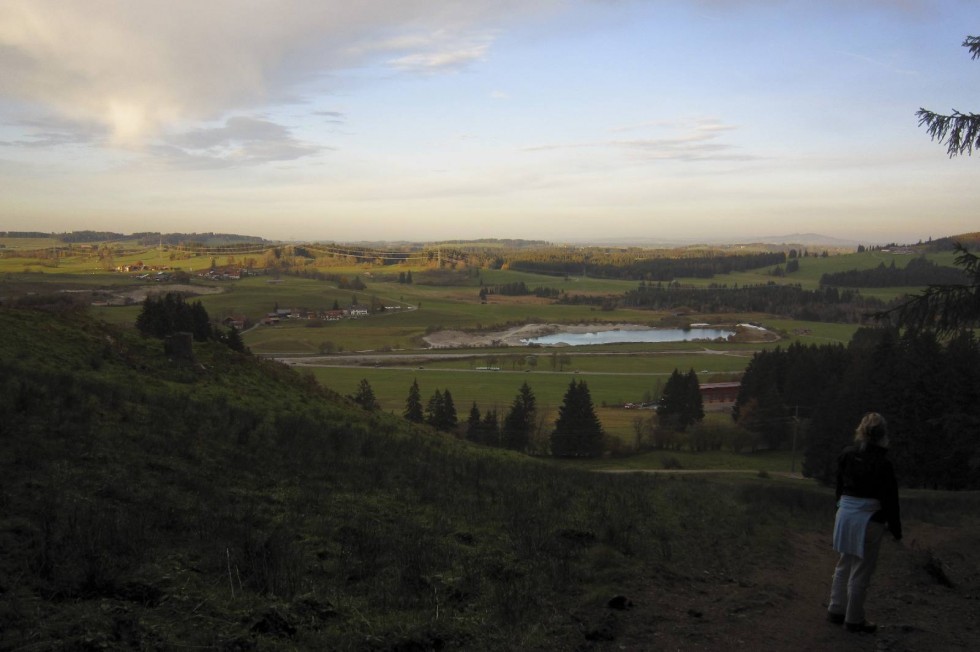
point(422, 120)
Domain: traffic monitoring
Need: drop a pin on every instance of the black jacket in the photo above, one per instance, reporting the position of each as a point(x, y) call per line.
point(867, 473)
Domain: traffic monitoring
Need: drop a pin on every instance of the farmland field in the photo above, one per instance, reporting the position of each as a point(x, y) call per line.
point(404, 314)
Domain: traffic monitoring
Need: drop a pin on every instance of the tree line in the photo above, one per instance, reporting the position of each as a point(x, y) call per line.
point(577, 431)
point(519, 289)
point(630, 265)
point(827, 304)
point(166, 315)
point(919, 271)
point(926, 387)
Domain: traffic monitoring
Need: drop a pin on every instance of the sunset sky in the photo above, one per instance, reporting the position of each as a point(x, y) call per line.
point(439, 119)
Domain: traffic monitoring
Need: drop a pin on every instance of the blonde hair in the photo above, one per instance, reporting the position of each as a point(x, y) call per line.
point(873, 429)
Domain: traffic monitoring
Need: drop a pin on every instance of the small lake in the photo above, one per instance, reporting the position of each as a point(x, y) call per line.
point(631, 336)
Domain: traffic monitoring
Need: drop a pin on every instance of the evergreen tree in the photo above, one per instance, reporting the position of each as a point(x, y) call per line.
point(519, 422)
point(152, 319)
point(200, 323)
point(234, 341)
point(434, 409)
point(413, 404)
point(945, 308)
point(681, 405)
point(578, 432)
point(440, 412)
point(473, 424)
point(694, 412)
point(169, 314)
point(448, 418)
point(482, 430)
point(490, 429)
point(961, 131)
point(365, 396)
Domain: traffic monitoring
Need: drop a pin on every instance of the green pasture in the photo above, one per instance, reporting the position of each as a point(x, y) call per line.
point(495, 390)
point(573, 284)
point(28, 244)
point(490, 389)
point(810, 332)
point(813, 267)
point(634, 362)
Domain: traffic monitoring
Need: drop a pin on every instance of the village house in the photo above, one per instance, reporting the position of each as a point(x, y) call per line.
point(719, 392)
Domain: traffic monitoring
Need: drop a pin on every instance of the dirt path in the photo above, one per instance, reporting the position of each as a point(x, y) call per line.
point(782, 606)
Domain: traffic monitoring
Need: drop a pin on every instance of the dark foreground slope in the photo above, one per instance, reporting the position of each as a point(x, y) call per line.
point(228, 503)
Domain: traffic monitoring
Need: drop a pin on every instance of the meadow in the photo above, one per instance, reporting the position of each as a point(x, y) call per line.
point(616, 374)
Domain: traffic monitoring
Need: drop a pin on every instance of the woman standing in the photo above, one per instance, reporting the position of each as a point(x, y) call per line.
point(867, 496)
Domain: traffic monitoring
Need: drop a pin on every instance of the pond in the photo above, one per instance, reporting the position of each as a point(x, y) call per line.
point(619, 336)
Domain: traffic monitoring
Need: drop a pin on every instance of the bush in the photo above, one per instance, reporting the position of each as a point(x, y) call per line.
point(671, 463)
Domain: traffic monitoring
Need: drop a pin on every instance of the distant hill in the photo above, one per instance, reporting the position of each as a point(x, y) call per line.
point(806, 239)
point(970, 240)
point(800, 239)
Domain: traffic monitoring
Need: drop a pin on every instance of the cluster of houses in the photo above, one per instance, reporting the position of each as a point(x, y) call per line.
point(277, 316)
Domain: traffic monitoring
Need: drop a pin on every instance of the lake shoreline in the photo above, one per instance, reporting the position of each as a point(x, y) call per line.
point(518, 335)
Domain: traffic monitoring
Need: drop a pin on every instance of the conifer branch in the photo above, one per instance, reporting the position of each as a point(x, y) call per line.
point(960, 132)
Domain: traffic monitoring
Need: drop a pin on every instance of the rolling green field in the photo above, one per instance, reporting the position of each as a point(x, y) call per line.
point(449, 300)
point(813, 267)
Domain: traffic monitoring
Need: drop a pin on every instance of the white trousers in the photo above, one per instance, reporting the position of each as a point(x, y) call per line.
point(853, 576)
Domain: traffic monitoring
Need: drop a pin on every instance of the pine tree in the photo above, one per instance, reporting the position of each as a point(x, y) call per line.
point(694, 407)
point(200, 323)
point(578, 432)
point(473, 424)
point(490, 429)
point(943, 308)
point(365, 396)
point(440, 412)
point(434, 409)
point(516, 432)
point(234, 341)
point(163, 316)
point(413, 404)
point(448, 418)
point(961, 131)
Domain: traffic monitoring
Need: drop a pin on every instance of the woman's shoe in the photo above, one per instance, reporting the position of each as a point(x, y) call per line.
point(837, 619)
point(862, 627)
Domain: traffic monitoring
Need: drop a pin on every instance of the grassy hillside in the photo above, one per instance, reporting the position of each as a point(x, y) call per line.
point(230, 503)
point(227, 502)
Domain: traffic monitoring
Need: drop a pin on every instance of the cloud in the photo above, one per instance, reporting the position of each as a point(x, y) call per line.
point(697, 141)
point(43, 132)
point(138, 68)
point(239, 141)
point(442, 52)
point(332, 117)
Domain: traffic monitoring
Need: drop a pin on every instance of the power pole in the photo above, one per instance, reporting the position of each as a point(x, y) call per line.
point(796, 428)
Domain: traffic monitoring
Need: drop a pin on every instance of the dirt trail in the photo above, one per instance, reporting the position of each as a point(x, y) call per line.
point(782, 606)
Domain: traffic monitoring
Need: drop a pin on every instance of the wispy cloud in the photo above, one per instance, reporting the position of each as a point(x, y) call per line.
point(332, 117)
point(439, 52)
point(45, 132)
point(698, 141)
point(878, 63)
